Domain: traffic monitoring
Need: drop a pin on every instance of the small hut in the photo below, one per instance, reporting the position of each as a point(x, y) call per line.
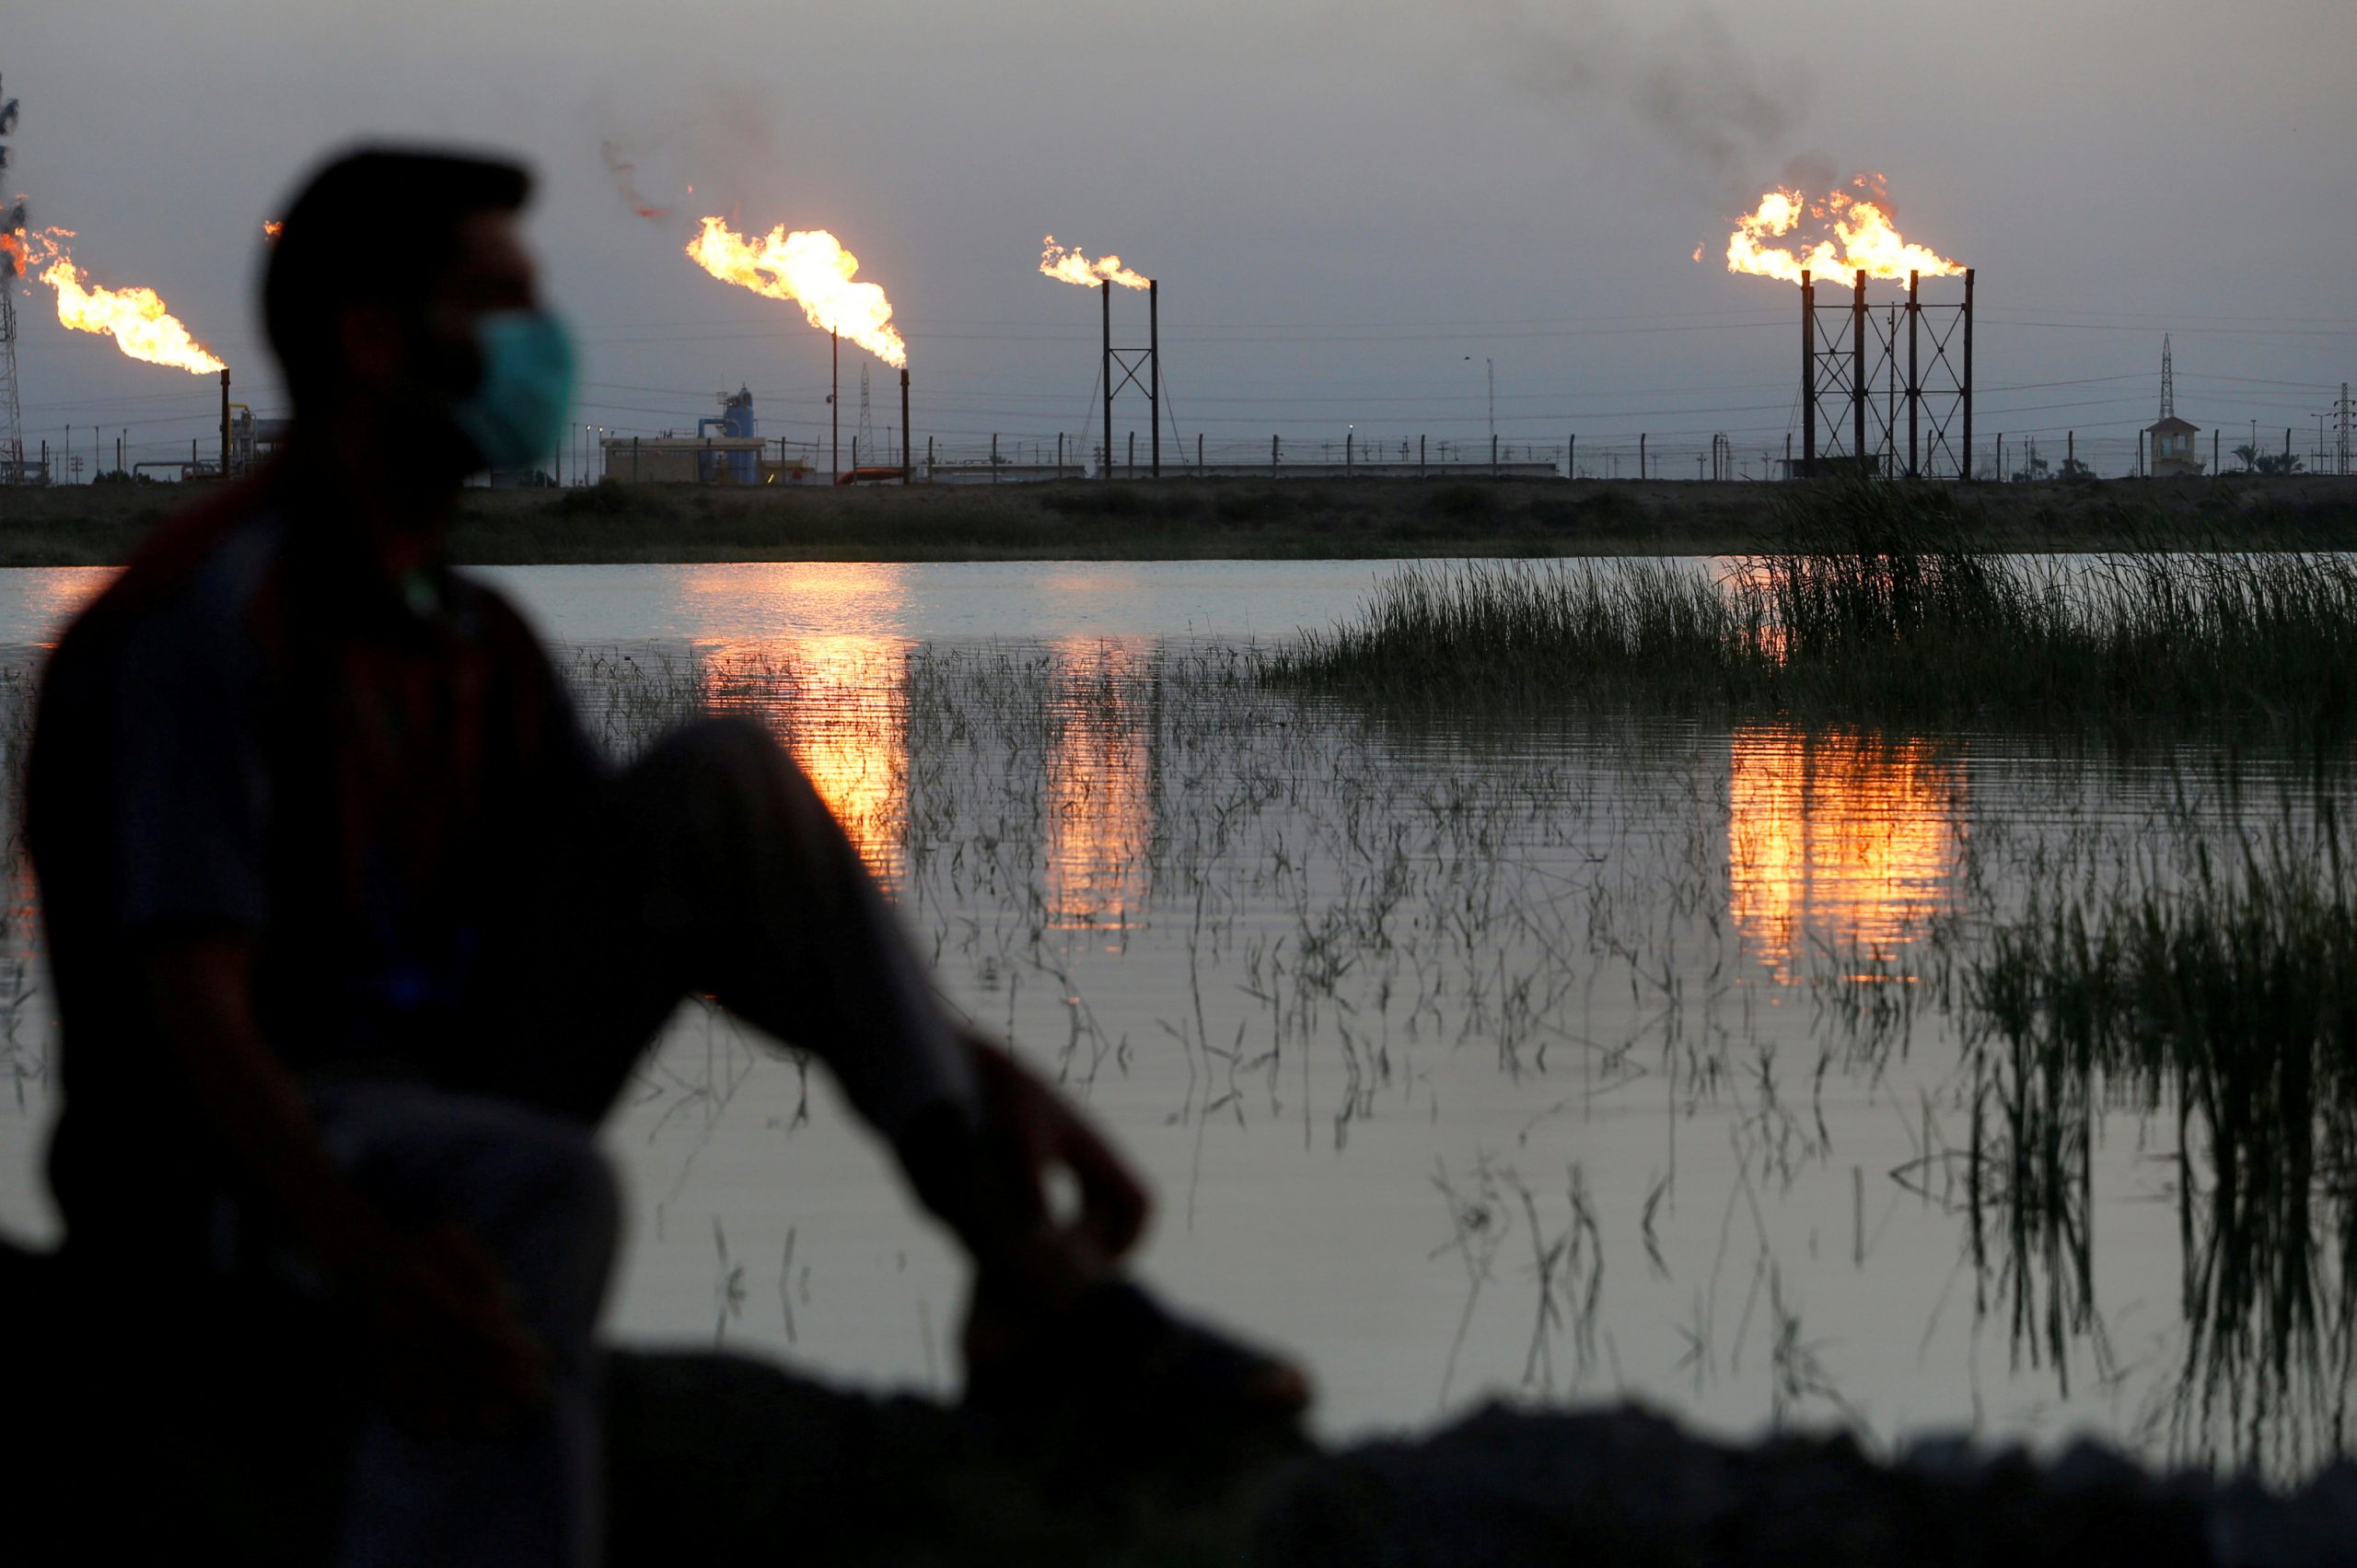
point(2172, 447)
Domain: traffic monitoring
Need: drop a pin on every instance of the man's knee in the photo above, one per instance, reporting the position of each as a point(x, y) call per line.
point(531, 1185)
point(707, 785)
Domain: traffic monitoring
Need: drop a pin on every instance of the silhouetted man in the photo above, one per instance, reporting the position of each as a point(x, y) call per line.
point(356, 937)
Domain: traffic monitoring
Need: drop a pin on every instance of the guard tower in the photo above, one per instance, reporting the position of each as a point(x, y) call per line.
point(2171, 438)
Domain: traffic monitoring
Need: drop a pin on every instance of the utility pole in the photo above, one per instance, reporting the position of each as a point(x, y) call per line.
point(2342, 411)
point(11, 413)
point(866, 434)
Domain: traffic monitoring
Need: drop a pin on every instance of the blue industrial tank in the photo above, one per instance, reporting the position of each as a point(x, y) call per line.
point(736, 418)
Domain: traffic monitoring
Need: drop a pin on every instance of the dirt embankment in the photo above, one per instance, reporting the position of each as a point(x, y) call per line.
point(1223, 520)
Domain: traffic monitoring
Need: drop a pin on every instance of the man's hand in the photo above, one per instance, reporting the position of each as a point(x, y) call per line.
point(992, 1184)
point(1047, 1136)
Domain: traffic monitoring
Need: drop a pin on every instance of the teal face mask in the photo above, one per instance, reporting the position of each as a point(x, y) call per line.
point(516, 415)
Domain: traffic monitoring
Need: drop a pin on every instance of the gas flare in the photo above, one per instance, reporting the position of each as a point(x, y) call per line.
point(12, 255)
point(1072, 266)
point(140, 325)
point(271, 226)
point(809, 268)
point(1836, 236)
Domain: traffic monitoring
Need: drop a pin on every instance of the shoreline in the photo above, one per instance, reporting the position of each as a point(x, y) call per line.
point(1226, 519)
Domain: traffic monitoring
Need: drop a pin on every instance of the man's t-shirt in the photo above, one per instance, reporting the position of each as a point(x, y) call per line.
point(255, 730)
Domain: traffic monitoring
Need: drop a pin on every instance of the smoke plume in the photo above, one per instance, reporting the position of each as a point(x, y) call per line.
point(718, 150)
point(624, 172)
point(1688, 83)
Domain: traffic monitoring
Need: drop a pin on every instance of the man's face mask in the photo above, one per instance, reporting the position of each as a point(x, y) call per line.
point(515, 414)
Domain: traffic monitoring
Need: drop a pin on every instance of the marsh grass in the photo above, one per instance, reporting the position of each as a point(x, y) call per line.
point(2228, 1002)
point(1877, 605)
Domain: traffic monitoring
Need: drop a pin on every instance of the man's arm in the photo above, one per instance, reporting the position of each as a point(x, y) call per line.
point(449, 1348)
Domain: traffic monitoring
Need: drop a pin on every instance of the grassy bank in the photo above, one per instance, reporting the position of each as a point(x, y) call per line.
point(1875, 603)
point(1212, 519)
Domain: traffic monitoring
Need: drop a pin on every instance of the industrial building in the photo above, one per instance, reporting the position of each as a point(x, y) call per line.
point(726, 448)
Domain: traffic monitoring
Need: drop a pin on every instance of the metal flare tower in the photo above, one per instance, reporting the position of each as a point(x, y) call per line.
point(1141, 369)
point(1886, 390)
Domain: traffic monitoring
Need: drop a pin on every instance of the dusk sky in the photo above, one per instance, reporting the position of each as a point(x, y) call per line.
point(1351, 207)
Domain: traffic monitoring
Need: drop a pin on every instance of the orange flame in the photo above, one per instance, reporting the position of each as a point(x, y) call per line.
point(1848, 231)
point(11, 254)
point(809, 268)
point(271, 228)
point(1072, 266)
point(141, 327)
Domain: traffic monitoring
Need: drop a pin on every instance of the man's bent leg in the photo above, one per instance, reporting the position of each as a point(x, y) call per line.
point(533, 1190)
point(711, 865)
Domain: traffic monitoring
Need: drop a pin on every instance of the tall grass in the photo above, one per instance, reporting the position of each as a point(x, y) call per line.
point(1518, 629)
point(1876, 605)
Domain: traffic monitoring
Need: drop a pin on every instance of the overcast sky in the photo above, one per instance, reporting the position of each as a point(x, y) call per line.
point(1351, 207)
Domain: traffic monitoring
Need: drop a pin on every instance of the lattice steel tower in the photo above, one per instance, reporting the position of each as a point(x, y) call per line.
point(2168, 381)
point(1886, 390)
point(12, 267)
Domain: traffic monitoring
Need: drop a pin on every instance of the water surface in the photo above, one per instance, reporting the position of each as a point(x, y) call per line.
point(1557, 1056)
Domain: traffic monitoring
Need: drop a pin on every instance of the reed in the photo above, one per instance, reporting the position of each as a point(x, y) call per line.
point(1877, 605)
point(2228, 1000)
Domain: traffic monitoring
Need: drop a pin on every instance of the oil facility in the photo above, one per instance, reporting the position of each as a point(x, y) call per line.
point(726, 448)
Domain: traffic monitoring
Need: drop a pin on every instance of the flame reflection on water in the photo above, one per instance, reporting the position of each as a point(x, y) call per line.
point(1101, 794)
point(835, 703)
point(1845, 843)
point(55, 595)
point(839, 703)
